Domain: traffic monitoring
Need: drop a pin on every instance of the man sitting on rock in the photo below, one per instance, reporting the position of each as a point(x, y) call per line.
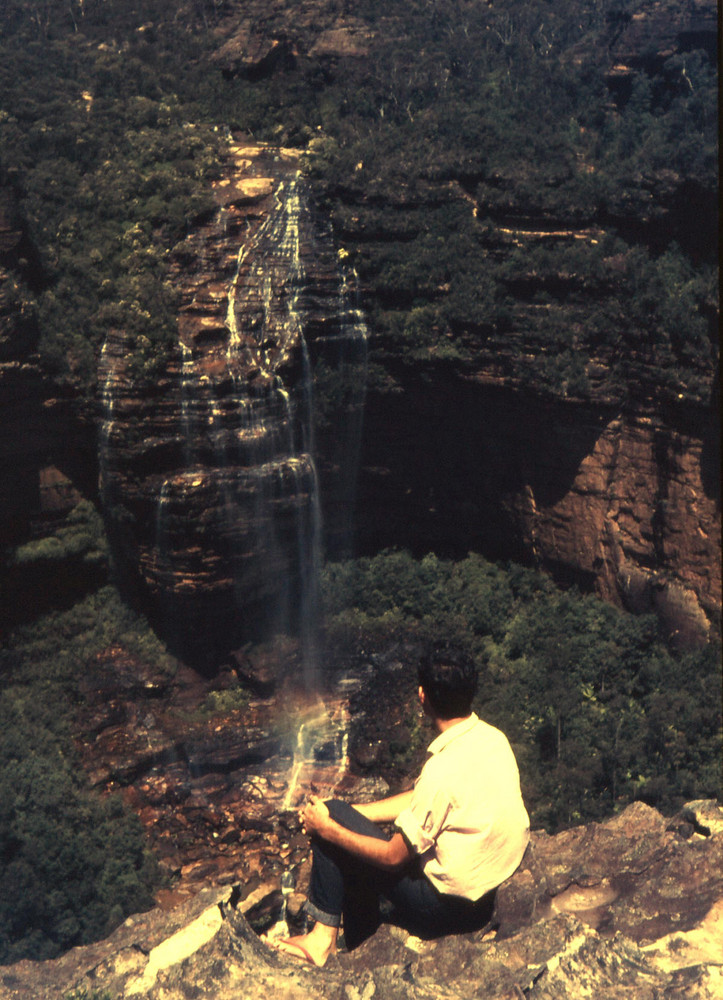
point(459, 833)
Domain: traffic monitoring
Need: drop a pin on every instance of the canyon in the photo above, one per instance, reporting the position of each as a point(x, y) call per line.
point(453, 456)
point(286, 421)
point(266, 399)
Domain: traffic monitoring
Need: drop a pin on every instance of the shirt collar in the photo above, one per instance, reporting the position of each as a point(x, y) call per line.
point(459, 729)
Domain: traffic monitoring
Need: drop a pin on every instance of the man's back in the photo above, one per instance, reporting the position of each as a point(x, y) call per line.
point(467, 820)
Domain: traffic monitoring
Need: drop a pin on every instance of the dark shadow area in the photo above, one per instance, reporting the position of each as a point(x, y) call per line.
point(710, 459)
point(443, 465)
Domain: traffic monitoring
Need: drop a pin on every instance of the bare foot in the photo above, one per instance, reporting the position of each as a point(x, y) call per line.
point(314, 947)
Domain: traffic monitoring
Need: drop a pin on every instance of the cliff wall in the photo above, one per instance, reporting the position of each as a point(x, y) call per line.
point(207, 473)
point(625, 503)
point(597, 459)
point(591, 451)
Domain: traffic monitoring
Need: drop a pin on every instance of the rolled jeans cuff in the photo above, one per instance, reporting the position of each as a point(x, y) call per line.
point(329, 919)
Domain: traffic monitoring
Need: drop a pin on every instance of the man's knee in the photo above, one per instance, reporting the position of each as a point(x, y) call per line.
point(347, 816)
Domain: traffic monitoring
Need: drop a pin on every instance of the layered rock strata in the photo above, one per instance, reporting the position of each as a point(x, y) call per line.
point(626, 504)
point(208, 475)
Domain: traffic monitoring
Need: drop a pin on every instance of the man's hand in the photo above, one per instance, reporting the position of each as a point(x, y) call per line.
point(315, 817)
point(385, 854)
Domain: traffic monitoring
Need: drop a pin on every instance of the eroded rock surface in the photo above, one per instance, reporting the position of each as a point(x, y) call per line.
point(215, 773)
point(208, 476)
point(626, 908)
point(626, 504)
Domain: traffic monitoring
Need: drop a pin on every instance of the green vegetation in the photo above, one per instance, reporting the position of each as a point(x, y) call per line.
point(108, 172)
point(222, 702)
point(80, 536)
point(73, 865)
point(84, 994)
point(599, 711)
point(451, 160)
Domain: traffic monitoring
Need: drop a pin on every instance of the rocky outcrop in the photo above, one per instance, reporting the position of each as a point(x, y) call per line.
point(256, 39)
point(213, 771)
point(208, 475)
point(623, 503)
point(628, 908)
point(657, 31)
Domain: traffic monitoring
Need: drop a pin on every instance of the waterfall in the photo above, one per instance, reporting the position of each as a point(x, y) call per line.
point(274, 331)
point(186, 383)
point(107, 379)
point(213, 473)
point(320, 751)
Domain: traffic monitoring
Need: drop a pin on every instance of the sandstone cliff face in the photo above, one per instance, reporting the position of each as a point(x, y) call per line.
point(627, 908)
point(624, 503)
point(208, 475)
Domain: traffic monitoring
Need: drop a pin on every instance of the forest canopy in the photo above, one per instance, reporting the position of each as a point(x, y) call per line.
point(498, 191)
point(73, 865)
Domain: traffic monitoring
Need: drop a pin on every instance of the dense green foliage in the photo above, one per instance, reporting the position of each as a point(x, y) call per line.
point(599, 711)
point(72, 865)
point(109, 172)
point(80, 535)
point(452, 159)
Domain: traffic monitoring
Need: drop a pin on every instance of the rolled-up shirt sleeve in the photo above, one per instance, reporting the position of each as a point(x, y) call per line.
point(423, 820)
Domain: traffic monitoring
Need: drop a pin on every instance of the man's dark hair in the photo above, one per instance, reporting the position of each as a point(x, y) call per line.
point(449, 679)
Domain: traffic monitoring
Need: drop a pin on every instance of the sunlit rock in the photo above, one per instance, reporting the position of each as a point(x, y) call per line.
point(206, 947)
point(209, 471)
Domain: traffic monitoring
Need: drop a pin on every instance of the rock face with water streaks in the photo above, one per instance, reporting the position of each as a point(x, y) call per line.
point(628, 908)
point(208, 476)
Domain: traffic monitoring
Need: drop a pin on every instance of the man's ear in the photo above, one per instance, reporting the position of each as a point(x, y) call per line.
point(423, 699)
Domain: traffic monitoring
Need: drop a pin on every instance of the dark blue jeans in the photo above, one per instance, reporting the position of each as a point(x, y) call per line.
point(344, 887)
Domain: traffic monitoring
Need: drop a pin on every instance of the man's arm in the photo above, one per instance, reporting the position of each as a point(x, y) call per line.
point(386, 810)
point(385, 854)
